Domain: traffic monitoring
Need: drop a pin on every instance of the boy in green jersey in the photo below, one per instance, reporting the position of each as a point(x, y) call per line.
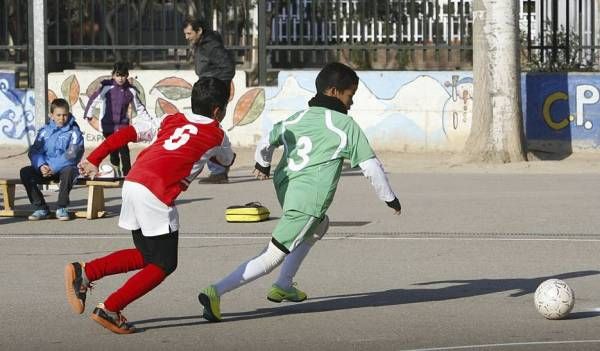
point(316, 141)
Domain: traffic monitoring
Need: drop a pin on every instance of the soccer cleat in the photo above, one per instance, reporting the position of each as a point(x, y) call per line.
point(211, 301)
point(74, 286)
point(39, 214)
point(113, 321)
point(62, 214)
point(278, 294)
point(220, 178)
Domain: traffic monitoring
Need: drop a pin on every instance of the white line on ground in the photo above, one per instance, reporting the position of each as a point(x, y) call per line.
point(128, 236)
point(531, 343)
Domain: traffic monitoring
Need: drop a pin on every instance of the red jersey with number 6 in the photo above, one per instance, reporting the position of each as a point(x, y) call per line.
point(183, 145)
point(180, 144)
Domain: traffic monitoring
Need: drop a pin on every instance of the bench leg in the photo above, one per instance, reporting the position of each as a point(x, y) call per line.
point(8, 197)
point(95, 205)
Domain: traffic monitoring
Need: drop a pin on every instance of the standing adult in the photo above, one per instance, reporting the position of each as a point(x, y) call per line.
point(211, 59)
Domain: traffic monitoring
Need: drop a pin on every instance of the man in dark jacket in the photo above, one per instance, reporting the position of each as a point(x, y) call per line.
point(211, 59)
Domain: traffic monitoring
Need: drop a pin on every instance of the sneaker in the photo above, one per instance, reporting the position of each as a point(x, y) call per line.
point(39, 214)
point(220, 178)
point(75, 287)
point(62, 214)
point(278, 294)
point(113, 321)
point(211, 301)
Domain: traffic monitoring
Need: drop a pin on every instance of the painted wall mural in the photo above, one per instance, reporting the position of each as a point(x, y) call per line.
point(17, 112)
point(562, 111)
point(403, 111)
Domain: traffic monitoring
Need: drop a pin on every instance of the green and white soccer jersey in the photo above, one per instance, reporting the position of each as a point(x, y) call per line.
point(316, 142)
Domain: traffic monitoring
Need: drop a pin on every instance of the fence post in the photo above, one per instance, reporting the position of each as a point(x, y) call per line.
point(40, 52)
point(262, 42)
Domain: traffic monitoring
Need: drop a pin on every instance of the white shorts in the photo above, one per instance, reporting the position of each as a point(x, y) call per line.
point(141, 209)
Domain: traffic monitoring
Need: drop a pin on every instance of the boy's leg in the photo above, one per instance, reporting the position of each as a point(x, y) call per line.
point(125, 160)
point(66, 177)
point(30, 178)
point(292, 262)
point(289, 232)
point(160, 256)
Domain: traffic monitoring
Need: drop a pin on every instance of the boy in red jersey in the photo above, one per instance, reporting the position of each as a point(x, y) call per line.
point(165, 168)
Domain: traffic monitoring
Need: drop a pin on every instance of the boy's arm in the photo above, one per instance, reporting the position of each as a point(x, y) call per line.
point(97, 100)
point(143, 129)
point(70, 155)
point(264, 152)
point(36, 151)
point(360, 153)
point(224, 155)
point(373, 170)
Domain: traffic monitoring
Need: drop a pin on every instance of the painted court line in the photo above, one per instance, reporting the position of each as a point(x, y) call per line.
point(265, 236)
point(512, 344)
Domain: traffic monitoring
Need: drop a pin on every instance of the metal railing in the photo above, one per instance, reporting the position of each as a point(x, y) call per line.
point(269, 35)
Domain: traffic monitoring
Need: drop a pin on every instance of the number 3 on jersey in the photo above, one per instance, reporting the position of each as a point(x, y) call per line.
point(303, 148)
point(180, 137)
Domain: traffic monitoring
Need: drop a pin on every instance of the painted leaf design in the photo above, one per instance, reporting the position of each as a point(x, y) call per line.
point(249, 107)
point(173, 88)
point(163, 107)
point(70, 89)
point(95, 85)
point(51, 96)
point(231, 90)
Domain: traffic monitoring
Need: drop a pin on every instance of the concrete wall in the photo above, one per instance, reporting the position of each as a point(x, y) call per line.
point(403, 111)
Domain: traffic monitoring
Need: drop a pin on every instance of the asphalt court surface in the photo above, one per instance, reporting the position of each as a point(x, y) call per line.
point(456, 271)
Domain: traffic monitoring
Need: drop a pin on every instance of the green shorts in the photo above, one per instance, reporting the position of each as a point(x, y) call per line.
point(293, 227)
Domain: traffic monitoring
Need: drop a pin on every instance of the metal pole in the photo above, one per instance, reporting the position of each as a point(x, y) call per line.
point(262, 42)
point(40, 47)
point(30, 37)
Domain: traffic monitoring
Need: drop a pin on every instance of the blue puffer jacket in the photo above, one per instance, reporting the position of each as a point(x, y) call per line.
point(57, 147)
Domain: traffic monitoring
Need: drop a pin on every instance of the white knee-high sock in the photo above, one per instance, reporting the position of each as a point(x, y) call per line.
point(292, 263)
point(250, 270)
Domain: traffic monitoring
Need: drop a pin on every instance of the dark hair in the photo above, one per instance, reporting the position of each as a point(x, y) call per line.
point(208, 93)
point(335, 75)
point(59, 103)
point(121, 69)
point(196, 23)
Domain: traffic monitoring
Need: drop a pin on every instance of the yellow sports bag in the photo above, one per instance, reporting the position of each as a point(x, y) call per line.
point(250, 212)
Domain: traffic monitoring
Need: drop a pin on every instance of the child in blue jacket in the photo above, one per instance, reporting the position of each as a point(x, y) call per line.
point(54, 155)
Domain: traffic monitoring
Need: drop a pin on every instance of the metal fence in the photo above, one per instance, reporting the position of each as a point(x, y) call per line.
point(269, 35)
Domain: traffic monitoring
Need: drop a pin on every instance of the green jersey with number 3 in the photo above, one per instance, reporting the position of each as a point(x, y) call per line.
point(316, 142)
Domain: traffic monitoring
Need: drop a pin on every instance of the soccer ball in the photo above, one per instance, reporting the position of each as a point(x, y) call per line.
point(554, 299)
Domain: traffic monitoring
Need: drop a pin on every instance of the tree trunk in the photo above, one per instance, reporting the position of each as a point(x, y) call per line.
point(497, 128)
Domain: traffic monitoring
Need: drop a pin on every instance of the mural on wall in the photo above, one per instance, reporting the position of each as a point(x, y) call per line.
point(402, 111)
point(391, 107)
point(17, 109)
point(562, 111)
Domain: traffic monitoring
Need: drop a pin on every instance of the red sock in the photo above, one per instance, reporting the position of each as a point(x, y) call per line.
point(138, 285)
point(117, 262)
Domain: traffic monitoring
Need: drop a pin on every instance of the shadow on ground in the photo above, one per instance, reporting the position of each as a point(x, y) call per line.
point(459, 289)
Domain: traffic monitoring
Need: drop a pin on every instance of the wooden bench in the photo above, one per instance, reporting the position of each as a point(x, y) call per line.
point(95, 200)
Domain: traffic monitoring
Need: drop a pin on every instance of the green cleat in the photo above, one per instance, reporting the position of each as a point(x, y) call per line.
point(211, 301)
point(278, 294)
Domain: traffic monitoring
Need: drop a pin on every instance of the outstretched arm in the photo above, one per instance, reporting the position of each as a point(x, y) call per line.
point(264, 153)
point(373, 170)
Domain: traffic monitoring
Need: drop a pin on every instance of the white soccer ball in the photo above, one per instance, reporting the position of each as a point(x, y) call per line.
point(554, 299)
